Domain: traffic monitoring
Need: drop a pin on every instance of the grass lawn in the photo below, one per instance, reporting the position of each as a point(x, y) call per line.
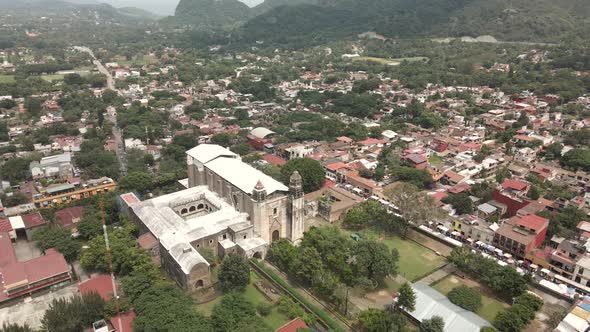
point(414, 260)
point(7, 78)
point(274, 320)
point(51, 78)
point(490, 306)
point(435, 160)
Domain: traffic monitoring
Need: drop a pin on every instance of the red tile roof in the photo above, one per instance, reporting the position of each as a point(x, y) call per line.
point(69, 216)
point(8, 256)
point(439, 196)
point(147, 241)
point(126, 322)
point(533, 222)
point(293, 326)
point(52, 264)
point(336, 166)
point(371, 141)
point(33, 220)
point(274, 160)
point(514, 184)
point(5, 226)
point(101, 284)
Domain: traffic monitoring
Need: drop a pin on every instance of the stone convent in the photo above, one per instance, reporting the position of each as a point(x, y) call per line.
point(228, 207)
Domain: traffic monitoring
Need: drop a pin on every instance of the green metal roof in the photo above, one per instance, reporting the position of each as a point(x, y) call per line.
point(60, 188)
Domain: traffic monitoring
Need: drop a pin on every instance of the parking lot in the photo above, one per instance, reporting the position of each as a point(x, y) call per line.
point(31, 310)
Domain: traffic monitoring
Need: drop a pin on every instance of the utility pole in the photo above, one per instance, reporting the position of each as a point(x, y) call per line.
point(110, 259)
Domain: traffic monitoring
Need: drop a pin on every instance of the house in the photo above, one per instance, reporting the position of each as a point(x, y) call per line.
point(525, 156)
point(24, 278)
point(52, 166)
point(475, 228)
point(417, 161)
point(100, 284)
point(69, 217)
point(512, 193)
point(519, 236)
point(293, 326)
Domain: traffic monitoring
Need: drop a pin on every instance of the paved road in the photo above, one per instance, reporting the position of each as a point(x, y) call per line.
point(117, 132)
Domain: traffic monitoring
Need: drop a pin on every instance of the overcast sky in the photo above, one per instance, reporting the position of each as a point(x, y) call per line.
point(160, 7)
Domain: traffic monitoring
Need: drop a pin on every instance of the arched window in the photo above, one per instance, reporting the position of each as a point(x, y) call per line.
point(184, 211)
point(199, 283)
point(192, 209)
point(200, 206)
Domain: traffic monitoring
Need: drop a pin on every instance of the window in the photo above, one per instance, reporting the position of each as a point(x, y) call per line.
point(274, 211)
point(224, 236)
point(192, 209)
point(184, 211)
point(210, 241)
point(200, 206)
point(244, 236)
point(198, 245)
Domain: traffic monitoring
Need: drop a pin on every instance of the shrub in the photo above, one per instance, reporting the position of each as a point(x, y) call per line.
point(466, 297)
point(264, 309)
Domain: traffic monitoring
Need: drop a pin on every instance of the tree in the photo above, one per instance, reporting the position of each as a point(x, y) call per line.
point(224, 140)
point(58, 238)
point(90, 225)
point(282, 253)
point(33, 106)
point(15, 170)
point(374, 320)
point(414, 206)
point(434, 324)
point(165, 307)
point(503, 174)
point(577, 159)
point(406, 298)
point(466, 297)
point(419, 178)
point(508, 321)
point(310, 170)
point(462, 203)
point(235, 313)
point(7, 327)
point(234, 273)
point(488, 329)
point(306, 264)
point(137, 181)
point(136, 283)
point(374, 260)
point(73, 314)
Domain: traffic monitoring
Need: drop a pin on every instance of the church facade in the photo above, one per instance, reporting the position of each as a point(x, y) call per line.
point(228, 207)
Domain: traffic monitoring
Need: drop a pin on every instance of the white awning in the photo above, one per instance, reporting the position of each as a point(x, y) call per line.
point(17, 222)
point(544, 270)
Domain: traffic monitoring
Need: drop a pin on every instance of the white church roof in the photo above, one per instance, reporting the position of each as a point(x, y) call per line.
point(243, 175)
point(204, 153)
point(261, 132)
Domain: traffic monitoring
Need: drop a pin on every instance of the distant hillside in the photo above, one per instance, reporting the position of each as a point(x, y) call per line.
point(503, 19)
point(207, 14)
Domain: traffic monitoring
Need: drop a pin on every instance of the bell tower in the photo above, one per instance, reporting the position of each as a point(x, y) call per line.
point(296, 207)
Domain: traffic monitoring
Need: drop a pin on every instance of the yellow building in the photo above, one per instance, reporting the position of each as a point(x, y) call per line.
point(66, 193)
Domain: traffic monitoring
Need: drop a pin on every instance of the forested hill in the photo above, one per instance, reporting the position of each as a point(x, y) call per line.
point(305, 21)
point(503, 19)
point(208, 14)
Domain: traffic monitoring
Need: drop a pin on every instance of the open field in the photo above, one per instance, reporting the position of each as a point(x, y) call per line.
point(274, 320)
point(54, 77)
point(435, 160)
point(415, 260)
point(391, 62)
point(491, 306)
point(7, 78)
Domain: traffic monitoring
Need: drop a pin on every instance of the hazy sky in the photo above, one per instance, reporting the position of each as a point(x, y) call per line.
point(160, 7)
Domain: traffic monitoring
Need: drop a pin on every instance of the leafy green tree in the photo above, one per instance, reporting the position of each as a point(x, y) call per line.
point(465, 297)
point(488, 329)
point(307, 262)
point(419, 178)
point(90, 225)
point(33, 106)
point(310, 170)
point(7, 327)
point(15, 170)
point(58, 238)
point(73, 314)
point(224, 140)
point(577, 159)
point(460, 202)
point(141, 182)
point(434, 324)
point(406, 298)
point(414, 206)
point(374, 260)
point(282, 253)
point(508, 321)
point(503, 174)
point(374, 320)
point(165, 307)
point(235, 313)
point(137, 282)
point(234, 273)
